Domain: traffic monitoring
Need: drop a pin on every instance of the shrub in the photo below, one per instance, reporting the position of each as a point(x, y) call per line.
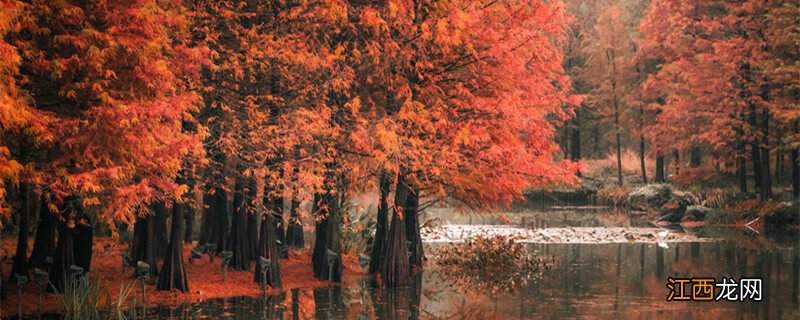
point(650, 196)
point(496, 264)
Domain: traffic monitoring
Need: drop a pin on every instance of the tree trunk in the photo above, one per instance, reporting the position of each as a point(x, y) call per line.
point(219, 217)
point(795, 166)
point(206, 220)
point(280, 231)
point(755, 152)
point(65, 253)
point(395, 271)
point(20, 265)
point(676, 158)
point(267, 248)
point(379, 243)
point(160, 226)
point(253, 216)
point(660, 169)
point(695, 157)
point(44, 243)
point(83, 237)
point(143, 247)
point(575, 150)
point(328, 226)
point(294, 229)
point(320, 209)
point(173, 271)
point(779, 168)
point(766, 183)
point(417, 253)
point(741, 172)
point(239, 239)
point(641, 159)
point(190, 211)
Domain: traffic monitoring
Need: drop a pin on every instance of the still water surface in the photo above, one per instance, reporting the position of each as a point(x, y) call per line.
point(590, 281)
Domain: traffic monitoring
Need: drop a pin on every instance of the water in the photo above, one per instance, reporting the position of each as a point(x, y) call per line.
point(590, 281)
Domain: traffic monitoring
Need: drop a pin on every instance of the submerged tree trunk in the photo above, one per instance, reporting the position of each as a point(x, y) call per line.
point(328, 227)
point(20, 265)
point(659, 169)
point(239, 238)
point(320, 210)
point(329, 232)
point(267, 248)
point(44, 243)
point(64, 255)
point(173, 271)
point(395, 270)
point(417, 253)
point(379, 243)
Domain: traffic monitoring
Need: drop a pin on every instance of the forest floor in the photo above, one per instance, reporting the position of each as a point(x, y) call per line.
point(206, 279)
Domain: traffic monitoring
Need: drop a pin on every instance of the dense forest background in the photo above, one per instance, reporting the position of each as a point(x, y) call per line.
point(697, 93)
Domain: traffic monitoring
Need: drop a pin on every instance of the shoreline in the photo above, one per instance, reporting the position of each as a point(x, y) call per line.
point(206, 279)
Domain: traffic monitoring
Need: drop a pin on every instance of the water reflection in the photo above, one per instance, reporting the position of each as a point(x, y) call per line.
point(592, 281)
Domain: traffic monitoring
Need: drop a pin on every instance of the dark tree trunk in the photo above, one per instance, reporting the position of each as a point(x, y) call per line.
point(188, 217)
point(143, 247)
point(84, 235)
point(64, 255)
point(660, 169)
point(676, 158)
point(575, 150)
point(160, 227)
point(267, 248)
point(239, 238)
point(379, 243)
point(294, 229)
point(795, 167)
point(173, 271)
point(395, 271)
point(44, 243)
point(320, 210)
point(619, 156)
point(417, 253)
point(695, 157)
point(20, 265)
point(253, 220)
point(741, 172)
point(766, 183)
point(219, 217)
point(329, 231)
point(779, 168)
point(280, 231)
point(641, 159)
point(206, 220)
point(755, 152)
